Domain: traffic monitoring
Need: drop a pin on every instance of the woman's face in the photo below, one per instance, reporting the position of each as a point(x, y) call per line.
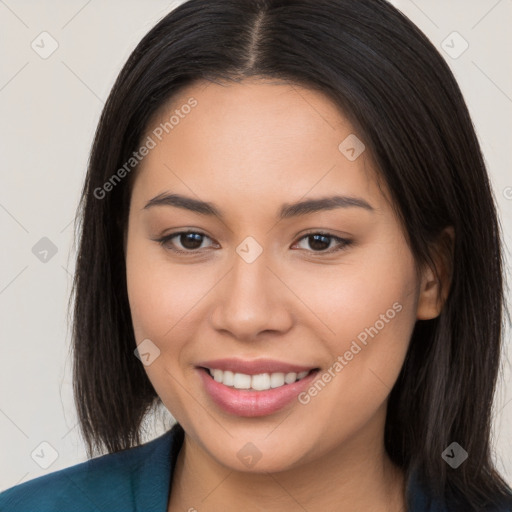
point(254, 291)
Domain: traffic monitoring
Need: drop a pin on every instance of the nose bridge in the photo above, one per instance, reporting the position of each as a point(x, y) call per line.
point(249, 297)
point(248, 284)
point(249, 266)
point(250, 273)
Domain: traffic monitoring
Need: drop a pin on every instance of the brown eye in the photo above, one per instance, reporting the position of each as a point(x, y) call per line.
point(321, 242)
point(190, 240)
point(183, 241)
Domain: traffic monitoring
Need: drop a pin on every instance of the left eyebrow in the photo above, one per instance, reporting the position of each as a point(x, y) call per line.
point(287, 210)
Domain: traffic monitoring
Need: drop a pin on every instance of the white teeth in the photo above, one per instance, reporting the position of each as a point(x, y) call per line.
point(289, 378)
point(260, 382)
point(228, 378)
point(276, 380)
point(241, 381)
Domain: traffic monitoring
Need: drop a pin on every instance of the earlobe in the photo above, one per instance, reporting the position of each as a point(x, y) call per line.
point(436, 282)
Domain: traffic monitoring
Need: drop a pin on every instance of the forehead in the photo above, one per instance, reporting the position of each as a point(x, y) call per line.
point(255, 138)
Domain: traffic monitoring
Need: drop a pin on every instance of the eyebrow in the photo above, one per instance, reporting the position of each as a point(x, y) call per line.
point(287, 211)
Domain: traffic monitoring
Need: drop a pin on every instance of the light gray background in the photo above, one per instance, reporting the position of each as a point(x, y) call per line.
point(49, 111)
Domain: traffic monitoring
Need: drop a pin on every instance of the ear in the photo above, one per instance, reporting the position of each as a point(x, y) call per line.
point(435, 282)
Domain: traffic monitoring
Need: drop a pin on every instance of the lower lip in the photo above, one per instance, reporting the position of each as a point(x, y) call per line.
point(253, 403)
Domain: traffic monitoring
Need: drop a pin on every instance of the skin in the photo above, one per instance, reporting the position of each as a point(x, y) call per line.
point(250, 147)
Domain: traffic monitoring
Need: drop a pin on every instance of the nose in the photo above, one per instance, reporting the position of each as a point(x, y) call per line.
point(251, 300)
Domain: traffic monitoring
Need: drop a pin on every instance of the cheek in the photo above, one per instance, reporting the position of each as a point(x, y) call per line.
point(375, 290)
point(368, 310)
point(161, 298)
point(160, 293)
point(373, 317)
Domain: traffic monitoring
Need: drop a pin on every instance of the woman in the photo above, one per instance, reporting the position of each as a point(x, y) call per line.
point(288, 239)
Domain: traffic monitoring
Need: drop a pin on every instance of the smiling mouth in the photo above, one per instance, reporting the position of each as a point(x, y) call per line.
point(258, 382)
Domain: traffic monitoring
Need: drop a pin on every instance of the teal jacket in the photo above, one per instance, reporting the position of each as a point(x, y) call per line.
point(136, 479)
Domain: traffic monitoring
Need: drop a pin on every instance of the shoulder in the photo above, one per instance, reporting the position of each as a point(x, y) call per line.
point(420, 499)
point(123, 480)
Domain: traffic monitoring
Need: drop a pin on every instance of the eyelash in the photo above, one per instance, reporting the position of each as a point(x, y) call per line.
point(343, 242)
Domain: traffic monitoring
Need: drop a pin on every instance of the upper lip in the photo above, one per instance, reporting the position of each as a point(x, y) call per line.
point(254, 367)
